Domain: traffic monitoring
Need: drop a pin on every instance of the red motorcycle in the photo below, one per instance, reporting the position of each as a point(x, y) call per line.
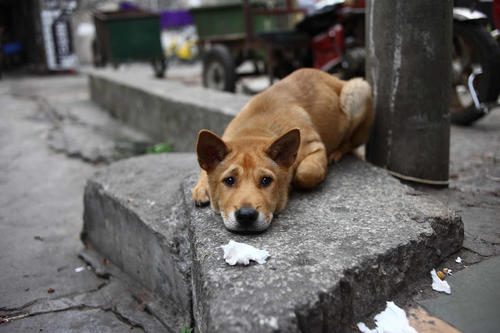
point(337, 32)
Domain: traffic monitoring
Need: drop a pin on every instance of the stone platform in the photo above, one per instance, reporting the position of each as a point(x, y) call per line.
point(165, 110)
point(134, 216)
point(337, 252)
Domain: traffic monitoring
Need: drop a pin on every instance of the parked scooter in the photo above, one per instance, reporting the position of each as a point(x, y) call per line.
point(337, 31)
point(475, 63)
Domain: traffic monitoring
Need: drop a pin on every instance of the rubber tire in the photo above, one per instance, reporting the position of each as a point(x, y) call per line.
point(220, 54)
point(159, 67)
point(489, 53)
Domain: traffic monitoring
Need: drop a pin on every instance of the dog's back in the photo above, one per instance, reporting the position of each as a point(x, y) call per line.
point(307, 98)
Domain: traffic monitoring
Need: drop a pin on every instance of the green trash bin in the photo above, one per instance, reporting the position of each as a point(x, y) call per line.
point(131, 35)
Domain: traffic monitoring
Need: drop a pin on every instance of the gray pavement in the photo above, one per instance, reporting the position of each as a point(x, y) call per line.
point(474, 304)
point(40, 222)
point(474, 193)
point(82, 130)
point(41, 217)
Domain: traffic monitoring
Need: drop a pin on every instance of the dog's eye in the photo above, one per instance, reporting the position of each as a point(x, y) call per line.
point(229, 181)
point(265, 181)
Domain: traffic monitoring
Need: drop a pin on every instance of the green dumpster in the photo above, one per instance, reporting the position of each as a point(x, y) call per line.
point(131, 35)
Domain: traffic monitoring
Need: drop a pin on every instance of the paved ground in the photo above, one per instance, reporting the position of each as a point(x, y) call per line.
point(40, 221)
point(41, 217)
point(475, 193)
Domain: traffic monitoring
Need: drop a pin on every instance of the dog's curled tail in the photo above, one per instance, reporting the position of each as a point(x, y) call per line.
point(355, 96)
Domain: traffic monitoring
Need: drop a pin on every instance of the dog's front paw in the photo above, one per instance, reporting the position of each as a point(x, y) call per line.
point(200, 195)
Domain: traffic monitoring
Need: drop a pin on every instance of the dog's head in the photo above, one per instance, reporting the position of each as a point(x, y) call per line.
point(248, 178)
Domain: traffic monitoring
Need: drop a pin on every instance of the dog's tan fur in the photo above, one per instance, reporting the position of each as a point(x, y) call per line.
point(288, 133)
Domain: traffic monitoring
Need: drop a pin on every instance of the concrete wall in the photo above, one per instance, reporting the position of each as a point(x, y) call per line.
point(165, 110)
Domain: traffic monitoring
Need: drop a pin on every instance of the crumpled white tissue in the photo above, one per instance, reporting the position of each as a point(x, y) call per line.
point(240, 253)
point(438, 284)
point(458, 260)
point(392, 319)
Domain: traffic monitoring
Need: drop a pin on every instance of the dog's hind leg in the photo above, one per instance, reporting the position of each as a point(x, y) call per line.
point(313, 167)
point(361, 133)
point(358, 137)
point(356, 101)
point(200, 191)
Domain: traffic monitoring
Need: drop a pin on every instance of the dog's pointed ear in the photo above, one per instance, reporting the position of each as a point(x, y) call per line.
point(211, 150)
point(284, 149)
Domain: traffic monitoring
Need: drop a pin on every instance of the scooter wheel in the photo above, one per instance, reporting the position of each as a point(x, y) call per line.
point(474, 49)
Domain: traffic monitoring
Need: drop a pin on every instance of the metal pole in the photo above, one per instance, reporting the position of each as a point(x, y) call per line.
point(248, 20)
point(408, 63)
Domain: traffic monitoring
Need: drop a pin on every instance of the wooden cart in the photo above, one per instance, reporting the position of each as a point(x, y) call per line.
point(232, 34)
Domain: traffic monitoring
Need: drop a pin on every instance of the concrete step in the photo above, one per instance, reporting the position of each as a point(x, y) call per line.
point(337, 252)
point(165, 110)
point(134, 216)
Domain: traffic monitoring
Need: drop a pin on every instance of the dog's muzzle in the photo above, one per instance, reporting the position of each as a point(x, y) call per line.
point(246, 219)
point(246, 216)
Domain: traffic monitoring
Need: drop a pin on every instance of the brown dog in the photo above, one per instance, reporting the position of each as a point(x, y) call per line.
point(290, 132)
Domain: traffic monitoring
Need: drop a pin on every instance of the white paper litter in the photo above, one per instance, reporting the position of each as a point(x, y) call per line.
point(438, 284)
point(240, 253)
point(458, 260)
point(79, 269)
point(391, 320)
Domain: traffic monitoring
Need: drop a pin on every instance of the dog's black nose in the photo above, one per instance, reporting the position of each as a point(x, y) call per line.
point(246, 215)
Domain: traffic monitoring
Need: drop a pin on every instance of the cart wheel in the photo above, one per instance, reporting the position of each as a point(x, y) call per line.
point(159, 67)
point(219, 71)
